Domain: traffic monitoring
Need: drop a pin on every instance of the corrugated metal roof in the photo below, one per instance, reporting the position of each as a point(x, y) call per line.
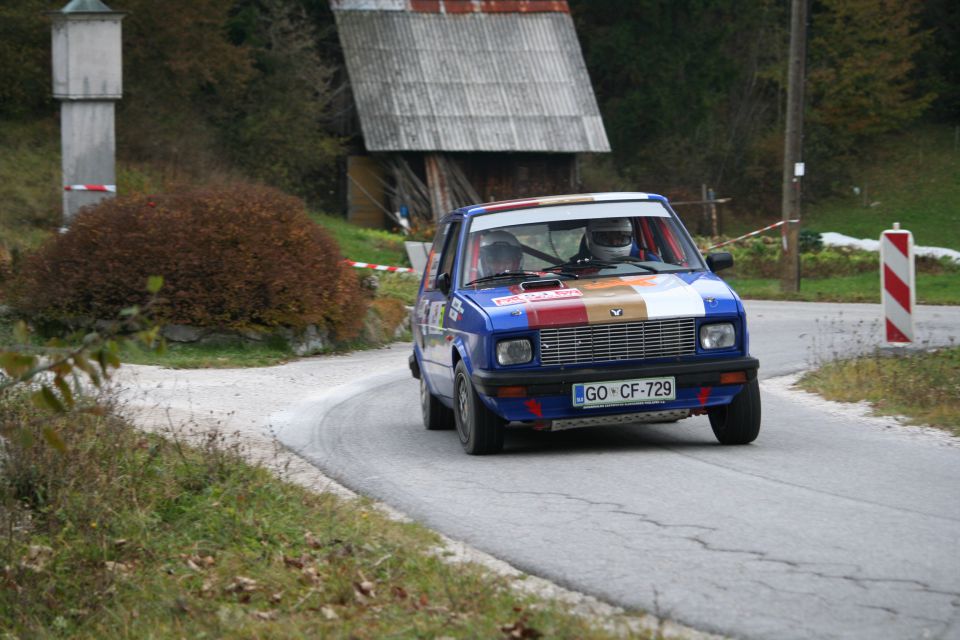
point(453, 6)
point(470, 82)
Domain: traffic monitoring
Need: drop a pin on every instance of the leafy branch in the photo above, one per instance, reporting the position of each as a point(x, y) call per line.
point(50, 367)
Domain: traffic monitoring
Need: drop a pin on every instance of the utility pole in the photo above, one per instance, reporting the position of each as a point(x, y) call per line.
point(793, 168)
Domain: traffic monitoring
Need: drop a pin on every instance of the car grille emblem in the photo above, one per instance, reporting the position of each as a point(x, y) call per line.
point(616, 313)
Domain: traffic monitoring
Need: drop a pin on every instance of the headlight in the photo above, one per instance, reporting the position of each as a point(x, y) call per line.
point(514, 351)
point(717, 336)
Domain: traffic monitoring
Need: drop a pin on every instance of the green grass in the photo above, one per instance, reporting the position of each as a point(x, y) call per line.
point(923, 387)
point(211, 356)
point(943, 288)
point(911, 178)
point(30, 200)
point(365, 245)
point(128, 535)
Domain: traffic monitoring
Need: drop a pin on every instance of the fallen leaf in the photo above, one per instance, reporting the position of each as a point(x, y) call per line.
point(520, 631)
point(37, 557)
point(311, 575)
point(242, 584)
point(399, 593)
point(293, 562)
point(117, 567)
point(275, 598)
point(265, 615)
point(329, 613)
point(365, 587)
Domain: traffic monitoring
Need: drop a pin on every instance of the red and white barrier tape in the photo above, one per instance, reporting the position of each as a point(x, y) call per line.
point(112, 188)
point(748, 235)
point(379, 267)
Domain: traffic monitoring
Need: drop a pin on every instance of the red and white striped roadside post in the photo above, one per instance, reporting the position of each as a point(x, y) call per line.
point(897, 284)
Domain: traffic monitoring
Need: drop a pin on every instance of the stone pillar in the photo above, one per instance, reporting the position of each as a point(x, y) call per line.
point(88, 80)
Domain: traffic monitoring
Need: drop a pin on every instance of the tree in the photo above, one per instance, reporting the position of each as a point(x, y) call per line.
point(684, 85)
point(860, 79)
point(25, 52)
point(285, 111)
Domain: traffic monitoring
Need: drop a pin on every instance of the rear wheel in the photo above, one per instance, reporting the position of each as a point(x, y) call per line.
point(436, 416)
point(739, 421)
point(480, 430)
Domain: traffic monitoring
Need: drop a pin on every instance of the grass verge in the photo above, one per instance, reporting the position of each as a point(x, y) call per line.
point(365, 245)
point(124, 534)
point(211, 356)
point(912, 178)
point(942, 288)
point(923, 387)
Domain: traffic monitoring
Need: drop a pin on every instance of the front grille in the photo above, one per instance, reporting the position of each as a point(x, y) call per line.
point(622, 341)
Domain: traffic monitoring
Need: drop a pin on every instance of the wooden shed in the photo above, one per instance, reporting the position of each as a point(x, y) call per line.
point(462, 101)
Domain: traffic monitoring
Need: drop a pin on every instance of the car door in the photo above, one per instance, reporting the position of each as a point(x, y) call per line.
point(433, 336)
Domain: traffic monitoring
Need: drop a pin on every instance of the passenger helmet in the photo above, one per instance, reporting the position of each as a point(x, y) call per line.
point(499, 251)
point(609, 238)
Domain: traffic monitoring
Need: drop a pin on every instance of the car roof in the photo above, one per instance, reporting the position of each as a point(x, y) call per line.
point(547, 201)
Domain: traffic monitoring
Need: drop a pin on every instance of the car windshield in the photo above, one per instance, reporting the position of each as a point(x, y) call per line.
point(599, 239)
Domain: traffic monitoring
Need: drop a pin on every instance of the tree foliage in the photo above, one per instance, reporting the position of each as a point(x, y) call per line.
point(691, 91)
point(25, 55)
point(694, 90)
point(861, 62)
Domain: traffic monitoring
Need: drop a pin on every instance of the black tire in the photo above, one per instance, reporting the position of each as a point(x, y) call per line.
point(436, 416)
point(739, 421)
point(480, 430)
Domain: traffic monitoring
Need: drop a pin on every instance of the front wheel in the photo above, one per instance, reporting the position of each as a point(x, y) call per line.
point(480, 430)
point(436, 416)
point(739, 421)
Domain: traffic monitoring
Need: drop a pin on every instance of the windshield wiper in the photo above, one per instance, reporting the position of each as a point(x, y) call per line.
point(583, 263)
point(637, 262)
point(503, 275)
point(593, 263)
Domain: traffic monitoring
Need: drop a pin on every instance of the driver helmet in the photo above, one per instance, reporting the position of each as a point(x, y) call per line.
point(499, 251)
point(609, 238)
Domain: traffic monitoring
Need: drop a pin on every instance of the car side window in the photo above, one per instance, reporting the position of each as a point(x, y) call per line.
point(442, 253)
point(450, 250)
point(433, 260)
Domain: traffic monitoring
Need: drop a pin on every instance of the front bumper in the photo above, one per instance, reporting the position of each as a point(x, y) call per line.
point(704, 373)
point(547, 395)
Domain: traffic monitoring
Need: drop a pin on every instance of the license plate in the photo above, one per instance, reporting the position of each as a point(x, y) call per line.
point(622, 392)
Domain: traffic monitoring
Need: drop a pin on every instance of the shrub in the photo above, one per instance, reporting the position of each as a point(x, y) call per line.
point(234, 256)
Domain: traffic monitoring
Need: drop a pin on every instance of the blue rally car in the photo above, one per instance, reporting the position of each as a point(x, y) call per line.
point(571, 311)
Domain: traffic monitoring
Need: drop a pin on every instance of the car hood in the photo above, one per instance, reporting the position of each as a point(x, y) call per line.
point(605, 300)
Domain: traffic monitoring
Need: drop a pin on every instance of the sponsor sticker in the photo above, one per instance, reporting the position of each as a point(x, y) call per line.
point(534, 296)
point(634, 281)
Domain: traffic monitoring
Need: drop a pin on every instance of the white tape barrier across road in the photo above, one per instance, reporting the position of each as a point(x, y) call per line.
point(110, 188)
point(379, 267)
point(748, 235)
point(897, 284)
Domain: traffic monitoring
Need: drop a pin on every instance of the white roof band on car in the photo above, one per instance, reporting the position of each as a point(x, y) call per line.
point(500, 219)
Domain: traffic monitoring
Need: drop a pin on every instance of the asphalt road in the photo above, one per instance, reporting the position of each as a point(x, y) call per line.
point(828, 526)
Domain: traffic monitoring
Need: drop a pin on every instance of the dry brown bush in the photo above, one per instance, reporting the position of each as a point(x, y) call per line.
point(235, 256)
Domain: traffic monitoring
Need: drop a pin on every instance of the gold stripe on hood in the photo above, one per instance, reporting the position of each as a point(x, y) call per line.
point(619, 303)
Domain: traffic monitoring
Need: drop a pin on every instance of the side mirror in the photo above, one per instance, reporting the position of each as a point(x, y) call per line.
point(719, 261)
point(443, 282)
